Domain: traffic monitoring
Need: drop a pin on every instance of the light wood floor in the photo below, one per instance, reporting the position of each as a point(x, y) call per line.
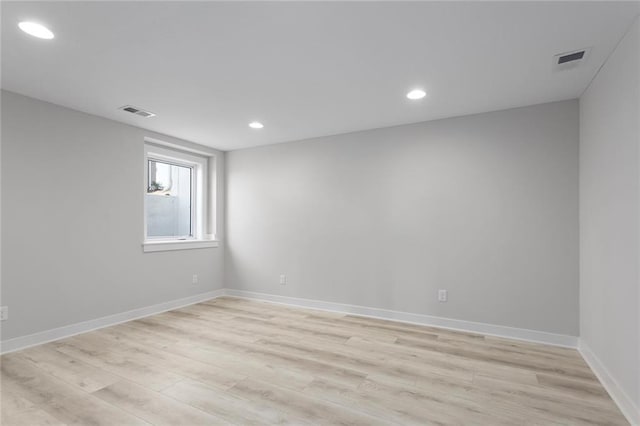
point(245, 362)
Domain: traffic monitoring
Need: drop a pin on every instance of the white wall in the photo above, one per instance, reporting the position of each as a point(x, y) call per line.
point(484, 206)
point(72, 221)
point(610, 216)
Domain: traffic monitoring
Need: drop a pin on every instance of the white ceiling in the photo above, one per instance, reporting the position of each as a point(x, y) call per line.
point(303, 69)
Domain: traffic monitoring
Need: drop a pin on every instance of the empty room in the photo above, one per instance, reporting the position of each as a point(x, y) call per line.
point(320, 213)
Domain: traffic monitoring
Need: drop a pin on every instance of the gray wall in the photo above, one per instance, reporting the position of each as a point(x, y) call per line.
point(610, 215)
point(484, 206)
point(72, 221)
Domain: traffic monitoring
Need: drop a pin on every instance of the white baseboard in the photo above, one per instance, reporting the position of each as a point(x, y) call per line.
point(448, 323)
point(23, 342)
point(630, 410)
point(39, 338)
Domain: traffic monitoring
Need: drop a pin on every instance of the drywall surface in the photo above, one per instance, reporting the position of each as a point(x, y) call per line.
point(610, 215)
point(72, 221)
point(484, 206)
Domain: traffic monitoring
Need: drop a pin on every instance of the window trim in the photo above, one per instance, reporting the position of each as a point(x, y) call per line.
point(199, 186)
point(151, 246)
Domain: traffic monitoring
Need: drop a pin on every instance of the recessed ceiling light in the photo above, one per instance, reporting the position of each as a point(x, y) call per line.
point(256, 125)
point(36, 30)
point(416, 94)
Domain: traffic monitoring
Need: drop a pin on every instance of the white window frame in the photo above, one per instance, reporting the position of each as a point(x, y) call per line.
point(199, 183)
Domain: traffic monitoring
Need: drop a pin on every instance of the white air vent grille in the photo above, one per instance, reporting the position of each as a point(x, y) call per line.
point(569, 60)
point(137, 111)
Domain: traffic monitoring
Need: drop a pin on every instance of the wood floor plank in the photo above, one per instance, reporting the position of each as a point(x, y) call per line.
point(362, 361)
point(154, 407)
point(165, 360)
point(59, 399)
point(533, 348)
point(336, 328)
point(562, 406)
point(294, 378)
point(117, 364)
point(11, 400)
point(28, 417)
point(527, 362)
point(271, 330)
point(314, 410)
point(444, 402)
point(582, 388)
point(227, 406)
point(67, 368)
point(237, 361)
point(387, 411)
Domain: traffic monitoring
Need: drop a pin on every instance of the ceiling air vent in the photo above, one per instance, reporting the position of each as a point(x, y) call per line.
point(137, 111)
point(570, 60)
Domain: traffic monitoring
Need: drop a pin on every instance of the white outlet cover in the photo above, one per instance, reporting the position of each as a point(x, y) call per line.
point(4, 313)
point(442, 295)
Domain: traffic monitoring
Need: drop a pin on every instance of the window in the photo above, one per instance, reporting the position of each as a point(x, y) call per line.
point(175, 199)
point(170, 207)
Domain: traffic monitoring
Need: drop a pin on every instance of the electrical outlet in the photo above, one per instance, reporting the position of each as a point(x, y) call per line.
point(194, 279)
point(4, 313)
point(442, 295)
point(283, 279)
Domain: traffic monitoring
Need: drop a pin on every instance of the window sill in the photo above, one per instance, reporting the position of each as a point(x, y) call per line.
point(151, 246)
